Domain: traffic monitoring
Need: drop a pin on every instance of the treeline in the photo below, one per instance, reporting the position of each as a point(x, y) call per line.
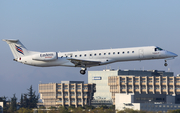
point(28, 101)
point(87, 109)
point(72, 109)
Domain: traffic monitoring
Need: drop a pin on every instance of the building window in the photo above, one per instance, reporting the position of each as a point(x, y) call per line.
point(72, 94)
point(78, 94)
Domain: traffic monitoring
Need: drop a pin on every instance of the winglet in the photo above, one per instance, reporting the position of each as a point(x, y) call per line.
point(10, 40)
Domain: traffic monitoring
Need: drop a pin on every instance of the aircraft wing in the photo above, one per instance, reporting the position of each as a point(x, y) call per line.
point(81, 63)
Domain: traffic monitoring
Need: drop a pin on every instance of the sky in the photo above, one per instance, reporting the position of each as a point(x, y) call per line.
point(57, 25)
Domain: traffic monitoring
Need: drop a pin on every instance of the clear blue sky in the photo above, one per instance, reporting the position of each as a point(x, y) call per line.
point(55, 25)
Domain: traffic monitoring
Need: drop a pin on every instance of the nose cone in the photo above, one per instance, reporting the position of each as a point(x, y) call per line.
point(171, 54)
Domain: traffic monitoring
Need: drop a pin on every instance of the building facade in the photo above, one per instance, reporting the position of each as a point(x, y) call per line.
point(105, 87)
point(147, 102)
point(1, 107)
point(168, 85)
point(66, 93)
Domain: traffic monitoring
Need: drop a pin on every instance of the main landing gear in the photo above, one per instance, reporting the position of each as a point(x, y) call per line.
point(165, 64)
point(83, 71)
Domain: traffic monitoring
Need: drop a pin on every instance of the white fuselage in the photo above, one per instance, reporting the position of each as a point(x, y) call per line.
point(104, 56)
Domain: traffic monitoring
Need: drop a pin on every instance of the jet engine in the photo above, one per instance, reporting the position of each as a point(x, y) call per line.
point(48, 56)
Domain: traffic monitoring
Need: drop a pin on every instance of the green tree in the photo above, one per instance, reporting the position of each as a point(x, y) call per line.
point(25, 110)
point(78, 110)
point(25, 101)
point(33, 99)
point(22, 101)
point(30, 99)
point(13, 106)
point(42, 109)
point(89, 107)
point(62, 109)
point(112, 107)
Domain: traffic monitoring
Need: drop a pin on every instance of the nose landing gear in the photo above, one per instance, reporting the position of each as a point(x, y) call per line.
point(165, 64)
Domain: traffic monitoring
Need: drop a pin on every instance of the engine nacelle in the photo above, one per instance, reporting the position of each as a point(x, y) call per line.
point(48, 56)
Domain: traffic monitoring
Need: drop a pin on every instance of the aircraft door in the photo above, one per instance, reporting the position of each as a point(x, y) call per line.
point(141, 53)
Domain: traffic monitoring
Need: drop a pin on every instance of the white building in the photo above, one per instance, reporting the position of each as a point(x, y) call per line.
point(1, 107)
point(146, 102)
point(104, 94)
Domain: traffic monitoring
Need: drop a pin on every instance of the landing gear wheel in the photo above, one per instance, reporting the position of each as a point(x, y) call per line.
point(165, 64)
point(83, 72)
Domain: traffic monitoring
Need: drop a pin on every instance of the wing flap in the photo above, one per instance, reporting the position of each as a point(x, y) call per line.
point(82, 63)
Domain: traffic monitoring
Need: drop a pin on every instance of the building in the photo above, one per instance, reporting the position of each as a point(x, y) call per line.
point(168, 85)
point(66, 93)
point(1, 107)
point(147, 102)
point(104, 86)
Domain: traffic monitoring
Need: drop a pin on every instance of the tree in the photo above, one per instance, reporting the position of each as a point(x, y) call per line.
point(30, 99)
point(62, 109)
point(25, 110)
point(33, 99)
point(21, 101)
point(13, 106)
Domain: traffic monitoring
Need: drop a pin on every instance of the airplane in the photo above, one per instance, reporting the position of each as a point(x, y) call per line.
point(86, 59)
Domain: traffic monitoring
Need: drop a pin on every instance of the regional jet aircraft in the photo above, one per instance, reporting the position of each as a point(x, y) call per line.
point(85, 59)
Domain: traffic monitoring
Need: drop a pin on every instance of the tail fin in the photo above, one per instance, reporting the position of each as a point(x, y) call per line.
point(17, 48)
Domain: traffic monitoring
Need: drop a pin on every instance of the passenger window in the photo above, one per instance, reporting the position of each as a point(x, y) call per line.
point(90, 55)
point(75, 55)
point(104, 53)
point(113, 52)
point(128, 52)
point(94, 54)
point(118, 52)
point(84, 54)
point(71, 56)
point(99, 53)
point(123, 52)
point(132, 51)
point(61, 56)
point(80, 55)
point(109, 53)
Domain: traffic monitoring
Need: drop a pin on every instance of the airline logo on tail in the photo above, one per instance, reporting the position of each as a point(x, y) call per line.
point(19, 49)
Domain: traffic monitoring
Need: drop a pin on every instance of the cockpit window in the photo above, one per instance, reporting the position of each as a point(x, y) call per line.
point(158, 49)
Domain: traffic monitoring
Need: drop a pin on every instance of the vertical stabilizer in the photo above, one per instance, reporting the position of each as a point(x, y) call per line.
point(17, 48)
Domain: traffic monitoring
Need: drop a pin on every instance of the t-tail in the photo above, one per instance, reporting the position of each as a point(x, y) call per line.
point(17, 48)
